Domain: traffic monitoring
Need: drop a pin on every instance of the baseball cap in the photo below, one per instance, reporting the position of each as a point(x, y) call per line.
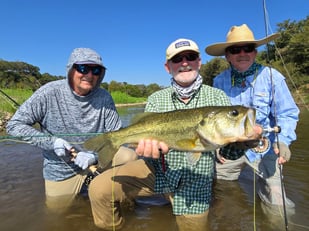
point(179, 46)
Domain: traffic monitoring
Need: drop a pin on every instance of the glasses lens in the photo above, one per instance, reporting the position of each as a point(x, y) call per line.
point(96, 70)
point(248, 48)
point(84, 69)
point(177, 59)
point(234, 50)
point(81, 68)
point(189, 57)
point(237, 50)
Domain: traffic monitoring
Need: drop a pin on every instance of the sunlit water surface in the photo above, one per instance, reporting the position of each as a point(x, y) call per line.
point(22, 196)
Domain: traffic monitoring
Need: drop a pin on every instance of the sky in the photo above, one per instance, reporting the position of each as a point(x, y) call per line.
point(131, 36)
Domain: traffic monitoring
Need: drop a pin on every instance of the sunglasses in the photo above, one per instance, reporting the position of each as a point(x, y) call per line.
point(189, 57)
point(84, 69)
point(237, 49)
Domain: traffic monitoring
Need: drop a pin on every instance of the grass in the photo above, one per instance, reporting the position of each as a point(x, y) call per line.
point(123, 98)
point(11, 98)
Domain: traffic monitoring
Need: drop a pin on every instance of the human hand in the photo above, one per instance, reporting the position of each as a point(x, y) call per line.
point(85, 159)
point(284, 152)
point(151, 148)
point(219, 157)
point(62, 147)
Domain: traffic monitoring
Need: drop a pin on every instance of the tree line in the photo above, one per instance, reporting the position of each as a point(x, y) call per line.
point(289, 54)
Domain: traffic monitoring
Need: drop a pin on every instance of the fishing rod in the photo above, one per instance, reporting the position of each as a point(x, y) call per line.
point(94, 169)
point(15, 104)
point(275, 118)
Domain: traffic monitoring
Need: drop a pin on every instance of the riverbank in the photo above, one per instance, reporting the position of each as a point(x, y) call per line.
point(130, 104)
point(6, 116)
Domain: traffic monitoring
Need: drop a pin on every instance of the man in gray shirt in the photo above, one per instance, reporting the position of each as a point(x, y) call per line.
point(75, 105)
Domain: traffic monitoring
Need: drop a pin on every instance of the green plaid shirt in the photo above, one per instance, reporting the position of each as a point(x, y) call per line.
point(191, 183)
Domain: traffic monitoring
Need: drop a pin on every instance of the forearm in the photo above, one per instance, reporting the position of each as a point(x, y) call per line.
point(26, 132)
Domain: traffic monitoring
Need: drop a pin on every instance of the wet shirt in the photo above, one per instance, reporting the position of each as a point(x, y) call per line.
point(189, 181)
point(257, 92)
point(62, 113)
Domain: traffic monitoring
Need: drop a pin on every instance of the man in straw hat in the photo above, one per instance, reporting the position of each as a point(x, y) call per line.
point(250, 84)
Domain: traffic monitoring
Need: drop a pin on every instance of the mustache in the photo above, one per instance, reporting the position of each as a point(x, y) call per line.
point(243, 58)
point(186, 68)
point(87, 78)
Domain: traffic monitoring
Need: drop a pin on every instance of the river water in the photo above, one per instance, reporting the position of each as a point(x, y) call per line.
point(22, 195)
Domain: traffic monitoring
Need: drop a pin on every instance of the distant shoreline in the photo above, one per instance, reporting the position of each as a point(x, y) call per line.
point(129, 104)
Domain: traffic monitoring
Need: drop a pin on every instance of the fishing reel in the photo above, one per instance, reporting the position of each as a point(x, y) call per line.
point(264, 143)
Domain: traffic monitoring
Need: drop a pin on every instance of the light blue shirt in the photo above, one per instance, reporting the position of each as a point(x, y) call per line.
point(268, 93)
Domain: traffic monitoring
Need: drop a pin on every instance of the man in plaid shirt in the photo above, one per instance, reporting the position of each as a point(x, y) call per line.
point(185, 180)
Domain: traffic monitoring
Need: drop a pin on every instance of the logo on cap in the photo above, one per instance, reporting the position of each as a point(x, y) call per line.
point(182, 44)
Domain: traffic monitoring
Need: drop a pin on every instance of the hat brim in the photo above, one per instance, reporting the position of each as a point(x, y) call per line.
point(218, 49)
point(88, 62)
point(170, 56)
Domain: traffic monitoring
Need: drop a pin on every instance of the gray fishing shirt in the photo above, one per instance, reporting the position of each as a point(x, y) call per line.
point(60, 113)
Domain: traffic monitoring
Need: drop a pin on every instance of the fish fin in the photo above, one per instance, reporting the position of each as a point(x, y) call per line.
point(186, 144)
point(208, 146)
point(103, 146)
point(194, 145)
point(193, 157)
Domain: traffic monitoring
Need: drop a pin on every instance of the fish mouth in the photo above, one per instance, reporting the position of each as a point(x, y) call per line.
point(249, 124)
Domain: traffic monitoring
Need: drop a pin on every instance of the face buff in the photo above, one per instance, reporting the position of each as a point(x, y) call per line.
point(187, 92)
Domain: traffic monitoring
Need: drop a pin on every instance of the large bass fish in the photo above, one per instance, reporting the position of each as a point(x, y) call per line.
point(193, 130)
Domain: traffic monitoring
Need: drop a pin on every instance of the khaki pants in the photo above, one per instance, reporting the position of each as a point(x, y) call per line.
point(116, 185)
point(194, 222)
point(132, 180)
point(268, 172)
point(60, 194)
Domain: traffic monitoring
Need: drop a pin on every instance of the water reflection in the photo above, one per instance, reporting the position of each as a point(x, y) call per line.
point(128, 113)
point(22, 195)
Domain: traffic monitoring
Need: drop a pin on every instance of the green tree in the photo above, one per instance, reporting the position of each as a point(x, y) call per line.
point(212, 68)
point(151, 88)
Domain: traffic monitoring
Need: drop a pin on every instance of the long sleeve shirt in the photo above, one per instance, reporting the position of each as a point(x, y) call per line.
point(268, 93)
point(60, 112)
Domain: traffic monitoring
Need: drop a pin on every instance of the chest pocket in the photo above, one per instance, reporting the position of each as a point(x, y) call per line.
point(261, 102)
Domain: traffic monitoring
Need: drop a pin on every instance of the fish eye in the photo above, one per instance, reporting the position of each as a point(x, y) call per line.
point(234, 112)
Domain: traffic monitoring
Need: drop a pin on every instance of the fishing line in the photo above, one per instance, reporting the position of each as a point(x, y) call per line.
point(254, 201)
point(267, 22)
point(275, 116)
point(16, 138)
point(113, 195)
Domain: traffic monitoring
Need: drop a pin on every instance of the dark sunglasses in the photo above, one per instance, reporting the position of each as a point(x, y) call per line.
point(237, 49)
point(84, 69)
point(189, 57)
